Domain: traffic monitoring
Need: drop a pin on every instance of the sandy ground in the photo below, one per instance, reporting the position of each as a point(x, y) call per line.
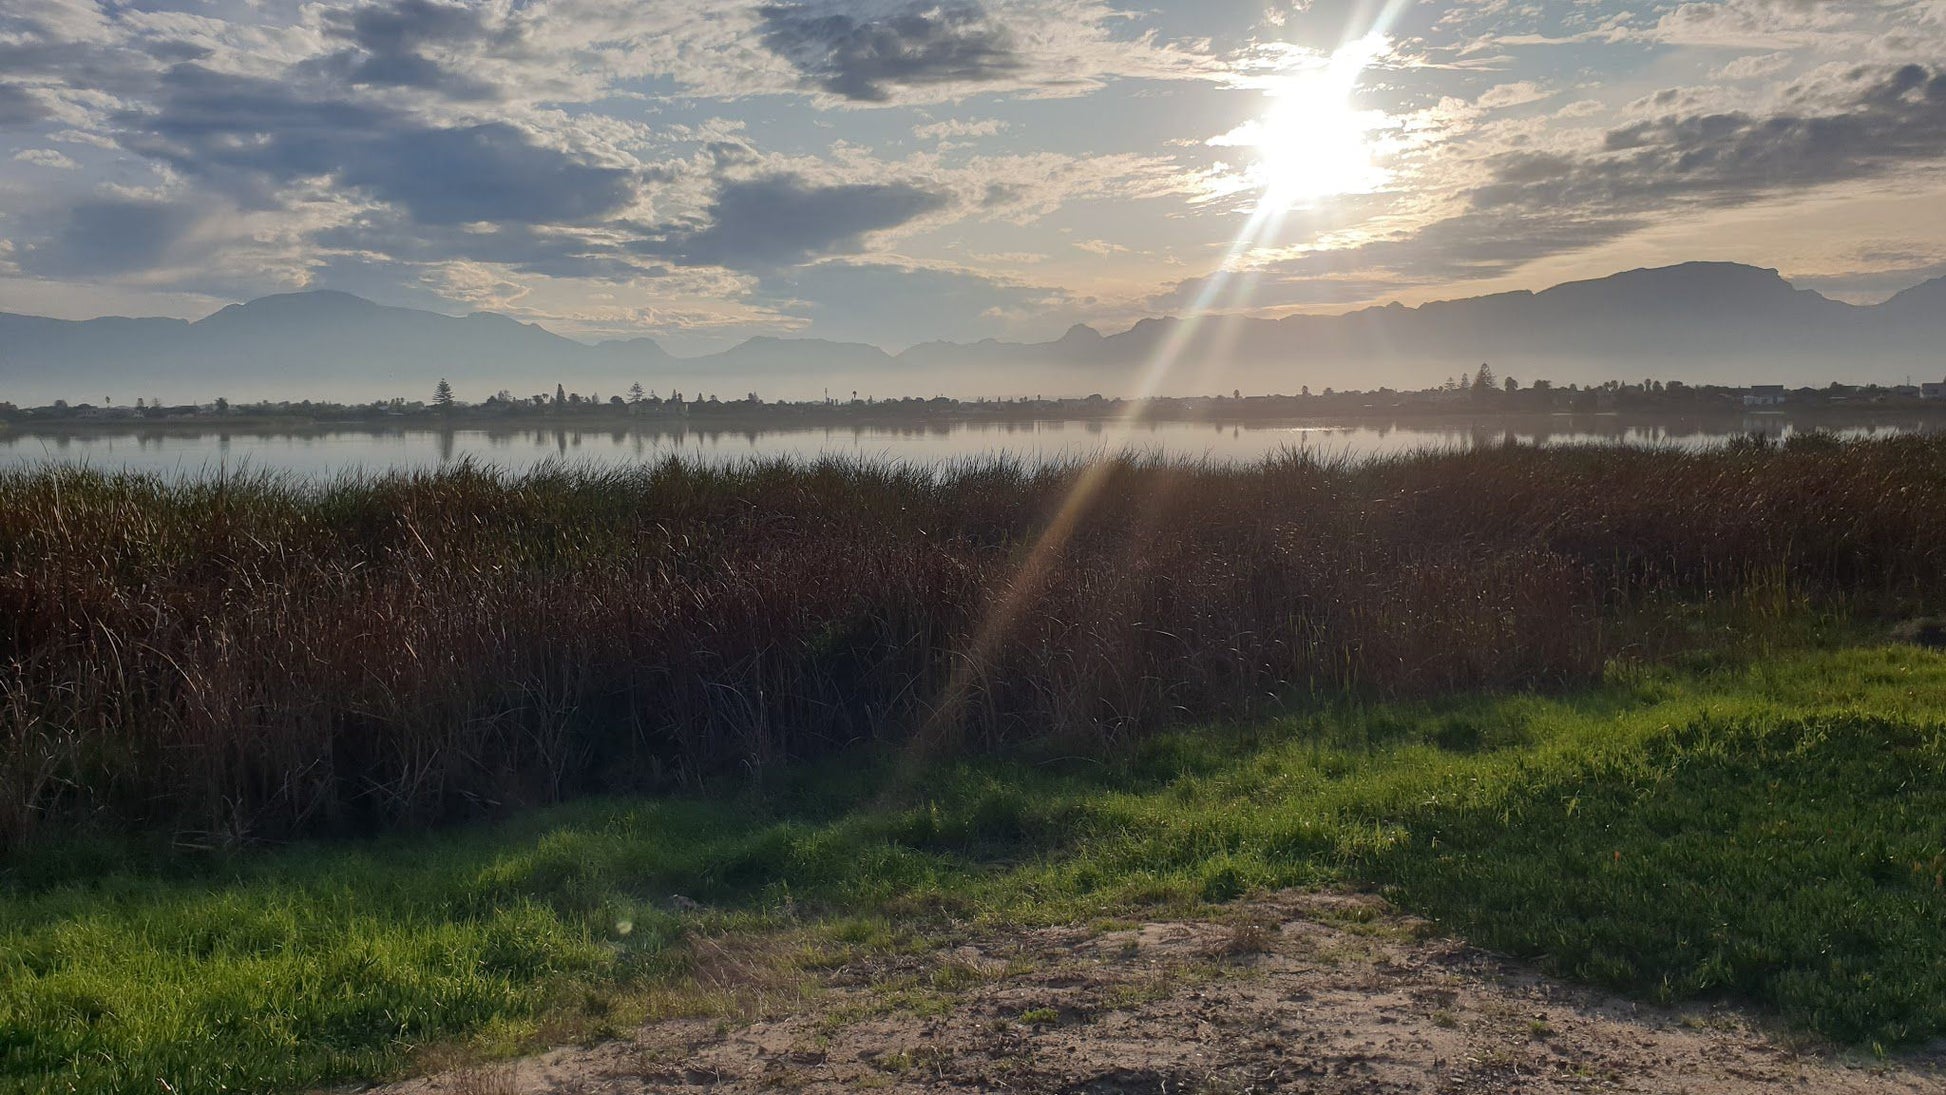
point(1296, 993)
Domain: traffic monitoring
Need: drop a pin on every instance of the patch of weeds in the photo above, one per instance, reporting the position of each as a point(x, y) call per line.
point(1245, 939)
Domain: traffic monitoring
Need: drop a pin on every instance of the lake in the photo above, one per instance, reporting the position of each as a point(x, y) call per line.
point(176, 450)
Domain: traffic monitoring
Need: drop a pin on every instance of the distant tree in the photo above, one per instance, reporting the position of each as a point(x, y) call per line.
point(560, 395)
point(1484, 379)
point(1511, 385)
point(442, 395)
point(615, 401)
point(222, 405)
point(635, 392)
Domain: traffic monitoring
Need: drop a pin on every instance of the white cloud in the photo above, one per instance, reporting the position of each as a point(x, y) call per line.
point(46, 157)
point(958, 127)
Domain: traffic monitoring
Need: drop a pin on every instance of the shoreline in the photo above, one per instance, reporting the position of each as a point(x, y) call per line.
point(1715, 421)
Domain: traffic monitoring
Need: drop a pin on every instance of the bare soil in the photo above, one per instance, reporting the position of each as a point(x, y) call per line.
point(1300, 992)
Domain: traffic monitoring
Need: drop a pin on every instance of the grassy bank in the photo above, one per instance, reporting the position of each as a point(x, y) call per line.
point(249, 658)
point(1772, 832)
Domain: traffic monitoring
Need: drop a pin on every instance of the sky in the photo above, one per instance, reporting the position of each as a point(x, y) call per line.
point(897, 171)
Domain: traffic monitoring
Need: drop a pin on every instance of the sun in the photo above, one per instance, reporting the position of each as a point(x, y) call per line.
point(1312, 142)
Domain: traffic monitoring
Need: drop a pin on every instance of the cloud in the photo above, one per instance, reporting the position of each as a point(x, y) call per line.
point(109, 237)
point(1755, 66)
point(1751, 24)
point(957, 127)
point(255, 137)
point(1861, 123)
point(1503, 96)
point(19, 107)
point(394, 44)
point(782, 220)
point(1884, 119)
point(46, 157)
point(914, 44)
point(488, 172)
point(1100, 247)
point(522, 248)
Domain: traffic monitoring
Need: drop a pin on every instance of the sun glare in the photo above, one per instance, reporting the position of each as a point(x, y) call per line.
point(1312, 142)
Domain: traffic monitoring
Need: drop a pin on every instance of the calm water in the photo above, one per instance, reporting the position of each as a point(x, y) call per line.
point(191, 451)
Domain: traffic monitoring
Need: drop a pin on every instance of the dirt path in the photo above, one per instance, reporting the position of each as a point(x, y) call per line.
point(1298, 993)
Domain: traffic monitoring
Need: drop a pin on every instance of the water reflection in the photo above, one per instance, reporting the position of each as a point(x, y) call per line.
point(193, 449)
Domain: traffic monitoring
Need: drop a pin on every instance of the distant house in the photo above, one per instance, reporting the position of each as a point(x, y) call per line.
point(1932, 391)
point(1764, 395)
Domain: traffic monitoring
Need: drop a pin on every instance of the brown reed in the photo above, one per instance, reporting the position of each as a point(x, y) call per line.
point(249, 656)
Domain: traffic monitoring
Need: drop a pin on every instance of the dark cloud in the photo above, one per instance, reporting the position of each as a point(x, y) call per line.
point(782, 220)
point(35, 41)
point(255, 137)
point(18, 106)
point(487, 172)
point(926, 43)
point(110, 237)
point(1888, 119)
point(391, 44)
point(999, 194)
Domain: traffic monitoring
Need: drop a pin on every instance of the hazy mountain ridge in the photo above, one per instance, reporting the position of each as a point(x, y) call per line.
point(1719, 322)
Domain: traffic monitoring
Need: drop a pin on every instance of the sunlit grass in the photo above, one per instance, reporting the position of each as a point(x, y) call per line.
point(1772, 832)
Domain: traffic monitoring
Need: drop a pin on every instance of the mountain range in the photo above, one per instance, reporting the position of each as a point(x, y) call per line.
point(1699, 322)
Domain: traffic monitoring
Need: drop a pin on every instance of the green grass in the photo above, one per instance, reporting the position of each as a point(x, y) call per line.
point(1774, 833)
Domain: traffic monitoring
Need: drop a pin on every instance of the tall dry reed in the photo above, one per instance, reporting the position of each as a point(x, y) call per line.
point(249, 656)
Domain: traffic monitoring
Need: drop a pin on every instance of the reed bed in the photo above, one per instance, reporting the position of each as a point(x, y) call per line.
point(251, 657)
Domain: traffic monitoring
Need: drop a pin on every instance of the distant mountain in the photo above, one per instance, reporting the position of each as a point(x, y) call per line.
point(299, 344)
point(1924, 300)
point(764, 354)
point(1703, 322)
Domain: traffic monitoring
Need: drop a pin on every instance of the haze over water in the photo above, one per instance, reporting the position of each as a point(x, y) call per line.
point(329, 451)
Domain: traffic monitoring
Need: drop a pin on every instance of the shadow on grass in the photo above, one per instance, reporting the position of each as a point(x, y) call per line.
point(1776, 833)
